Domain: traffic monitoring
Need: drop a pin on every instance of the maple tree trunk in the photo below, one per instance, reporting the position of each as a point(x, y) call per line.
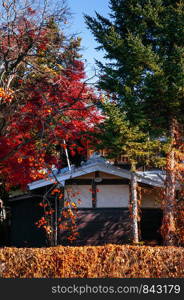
point(134, 207)
point(168, 225)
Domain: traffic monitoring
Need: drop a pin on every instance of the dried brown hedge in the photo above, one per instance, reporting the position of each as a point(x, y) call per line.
point(112, 261)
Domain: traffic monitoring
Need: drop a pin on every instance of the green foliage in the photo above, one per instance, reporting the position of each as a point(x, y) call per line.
point(121, 138)
point(144, 47)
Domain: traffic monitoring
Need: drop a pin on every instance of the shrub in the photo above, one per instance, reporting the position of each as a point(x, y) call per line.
point(113, 261)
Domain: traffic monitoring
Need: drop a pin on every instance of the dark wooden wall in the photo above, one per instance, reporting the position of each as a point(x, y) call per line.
point(112, 225)
point(4, 233)
point(99, 226)
point(151, 221)
point(23, 231)
point(96, 226)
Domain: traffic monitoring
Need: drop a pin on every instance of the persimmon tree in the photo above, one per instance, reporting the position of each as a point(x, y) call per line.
point(46, 104)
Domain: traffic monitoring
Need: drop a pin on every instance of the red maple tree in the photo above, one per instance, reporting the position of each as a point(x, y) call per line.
point(45, 102)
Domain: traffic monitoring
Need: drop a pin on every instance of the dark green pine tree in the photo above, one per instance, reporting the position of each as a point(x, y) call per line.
point(143, 42)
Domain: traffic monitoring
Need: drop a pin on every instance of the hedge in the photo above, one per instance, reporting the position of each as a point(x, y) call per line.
point(114, 261)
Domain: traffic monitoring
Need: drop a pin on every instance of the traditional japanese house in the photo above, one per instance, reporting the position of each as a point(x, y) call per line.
point(103, 210)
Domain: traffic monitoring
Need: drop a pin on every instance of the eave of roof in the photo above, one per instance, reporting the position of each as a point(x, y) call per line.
point(93, 167)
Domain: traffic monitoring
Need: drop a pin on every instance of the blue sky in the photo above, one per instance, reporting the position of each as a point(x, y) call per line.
point(78, 8)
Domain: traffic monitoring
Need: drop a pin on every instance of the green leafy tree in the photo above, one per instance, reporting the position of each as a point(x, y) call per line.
point(143, 42)
point(119, 137)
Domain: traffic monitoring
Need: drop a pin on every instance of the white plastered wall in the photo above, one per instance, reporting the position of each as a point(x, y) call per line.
point(79, 194)
point(112, 195)
point(108, 195)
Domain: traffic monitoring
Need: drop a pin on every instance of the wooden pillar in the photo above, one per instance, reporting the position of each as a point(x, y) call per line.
point(134, 207)
point(94, 194)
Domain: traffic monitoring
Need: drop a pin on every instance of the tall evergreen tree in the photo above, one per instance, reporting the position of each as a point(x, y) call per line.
point(144, 46)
